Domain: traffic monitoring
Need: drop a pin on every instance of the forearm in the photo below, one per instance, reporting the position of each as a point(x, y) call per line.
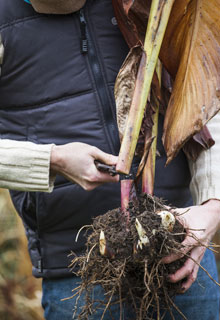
point(25, 166)
point(205, 171)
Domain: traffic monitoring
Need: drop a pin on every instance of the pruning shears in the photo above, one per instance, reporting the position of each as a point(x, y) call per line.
point(111, 170)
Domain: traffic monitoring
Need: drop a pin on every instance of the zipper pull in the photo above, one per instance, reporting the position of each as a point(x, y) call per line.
point(84, 40)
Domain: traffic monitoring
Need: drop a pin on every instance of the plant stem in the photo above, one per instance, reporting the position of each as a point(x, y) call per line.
point(126, 190)
point(159, 15)
point(149, 168)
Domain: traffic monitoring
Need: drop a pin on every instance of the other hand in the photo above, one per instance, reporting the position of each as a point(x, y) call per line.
point(201, 223)
point(75, 161)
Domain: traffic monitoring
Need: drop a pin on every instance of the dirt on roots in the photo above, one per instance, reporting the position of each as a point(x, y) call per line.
point(127, 273)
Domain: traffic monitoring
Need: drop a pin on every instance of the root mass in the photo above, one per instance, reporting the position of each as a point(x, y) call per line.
point(130, 273)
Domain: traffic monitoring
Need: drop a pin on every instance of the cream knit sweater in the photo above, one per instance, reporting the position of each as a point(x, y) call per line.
point(25, 166)
point(205, 172)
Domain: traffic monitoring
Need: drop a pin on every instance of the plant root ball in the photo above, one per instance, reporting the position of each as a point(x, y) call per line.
point(129, 267)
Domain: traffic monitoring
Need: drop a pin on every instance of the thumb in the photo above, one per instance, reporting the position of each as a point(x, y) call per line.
point(105, 157)
point(187, 244)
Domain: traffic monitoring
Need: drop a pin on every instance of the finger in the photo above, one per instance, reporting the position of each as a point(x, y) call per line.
point(94, 176)
point(188, 267)
point(106, 177)
point(104, 157)
point(188, 243)
point(172, 258)
point(183, 272)
point(191, 278)
point(97, 180)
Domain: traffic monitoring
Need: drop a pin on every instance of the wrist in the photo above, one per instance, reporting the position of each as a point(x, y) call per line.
point(56, 158)
point(214, 203)
point(213, 206)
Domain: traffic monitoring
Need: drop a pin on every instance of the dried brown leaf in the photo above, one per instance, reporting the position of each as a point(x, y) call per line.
point(143, 161)
point(191, 53)
point(199, 142)
point(124, 86)
point(132, 17)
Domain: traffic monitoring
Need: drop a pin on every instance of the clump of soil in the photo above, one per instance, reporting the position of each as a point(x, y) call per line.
point(128, 273)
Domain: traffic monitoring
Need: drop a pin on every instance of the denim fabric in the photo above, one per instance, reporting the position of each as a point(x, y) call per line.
point(200, 302)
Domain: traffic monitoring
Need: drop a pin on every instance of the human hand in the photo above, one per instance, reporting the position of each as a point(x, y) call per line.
point(75, 161)
point(201, 223)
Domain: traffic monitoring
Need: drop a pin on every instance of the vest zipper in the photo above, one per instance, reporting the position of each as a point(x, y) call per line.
point(87, 46)
point(84, 40)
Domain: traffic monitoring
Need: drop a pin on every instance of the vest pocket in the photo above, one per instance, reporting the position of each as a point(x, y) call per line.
point(70, 207)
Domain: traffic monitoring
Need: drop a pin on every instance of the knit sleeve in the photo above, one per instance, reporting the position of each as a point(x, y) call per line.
point(25, 166)
point(205, 171)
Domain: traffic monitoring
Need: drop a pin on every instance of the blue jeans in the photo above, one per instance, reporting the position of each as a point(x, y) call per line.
point(200, 302)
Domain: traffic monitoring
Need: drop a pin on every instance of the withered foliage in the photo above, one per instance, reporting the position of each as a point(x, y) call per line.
point(190, 54)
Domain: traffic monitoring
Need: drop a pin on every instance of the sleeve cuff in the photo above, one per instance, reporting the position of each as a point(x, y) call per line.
point(204, 195)
point(205, 183)
point(25, 166)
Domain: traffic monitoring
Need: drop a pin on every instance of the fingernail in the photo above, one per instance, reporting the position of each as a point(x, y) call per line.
point(168, 278)
point(183, 289)
point(165, 260)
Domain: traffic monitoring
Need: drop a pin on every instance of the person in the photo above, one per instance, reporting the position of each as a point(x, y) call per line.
point(28, 166)
point(59, 64)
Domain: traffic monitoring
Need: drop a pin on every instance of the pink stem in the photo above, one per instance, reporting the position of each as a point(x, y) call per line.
point(126, 196)
point(148, 176)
